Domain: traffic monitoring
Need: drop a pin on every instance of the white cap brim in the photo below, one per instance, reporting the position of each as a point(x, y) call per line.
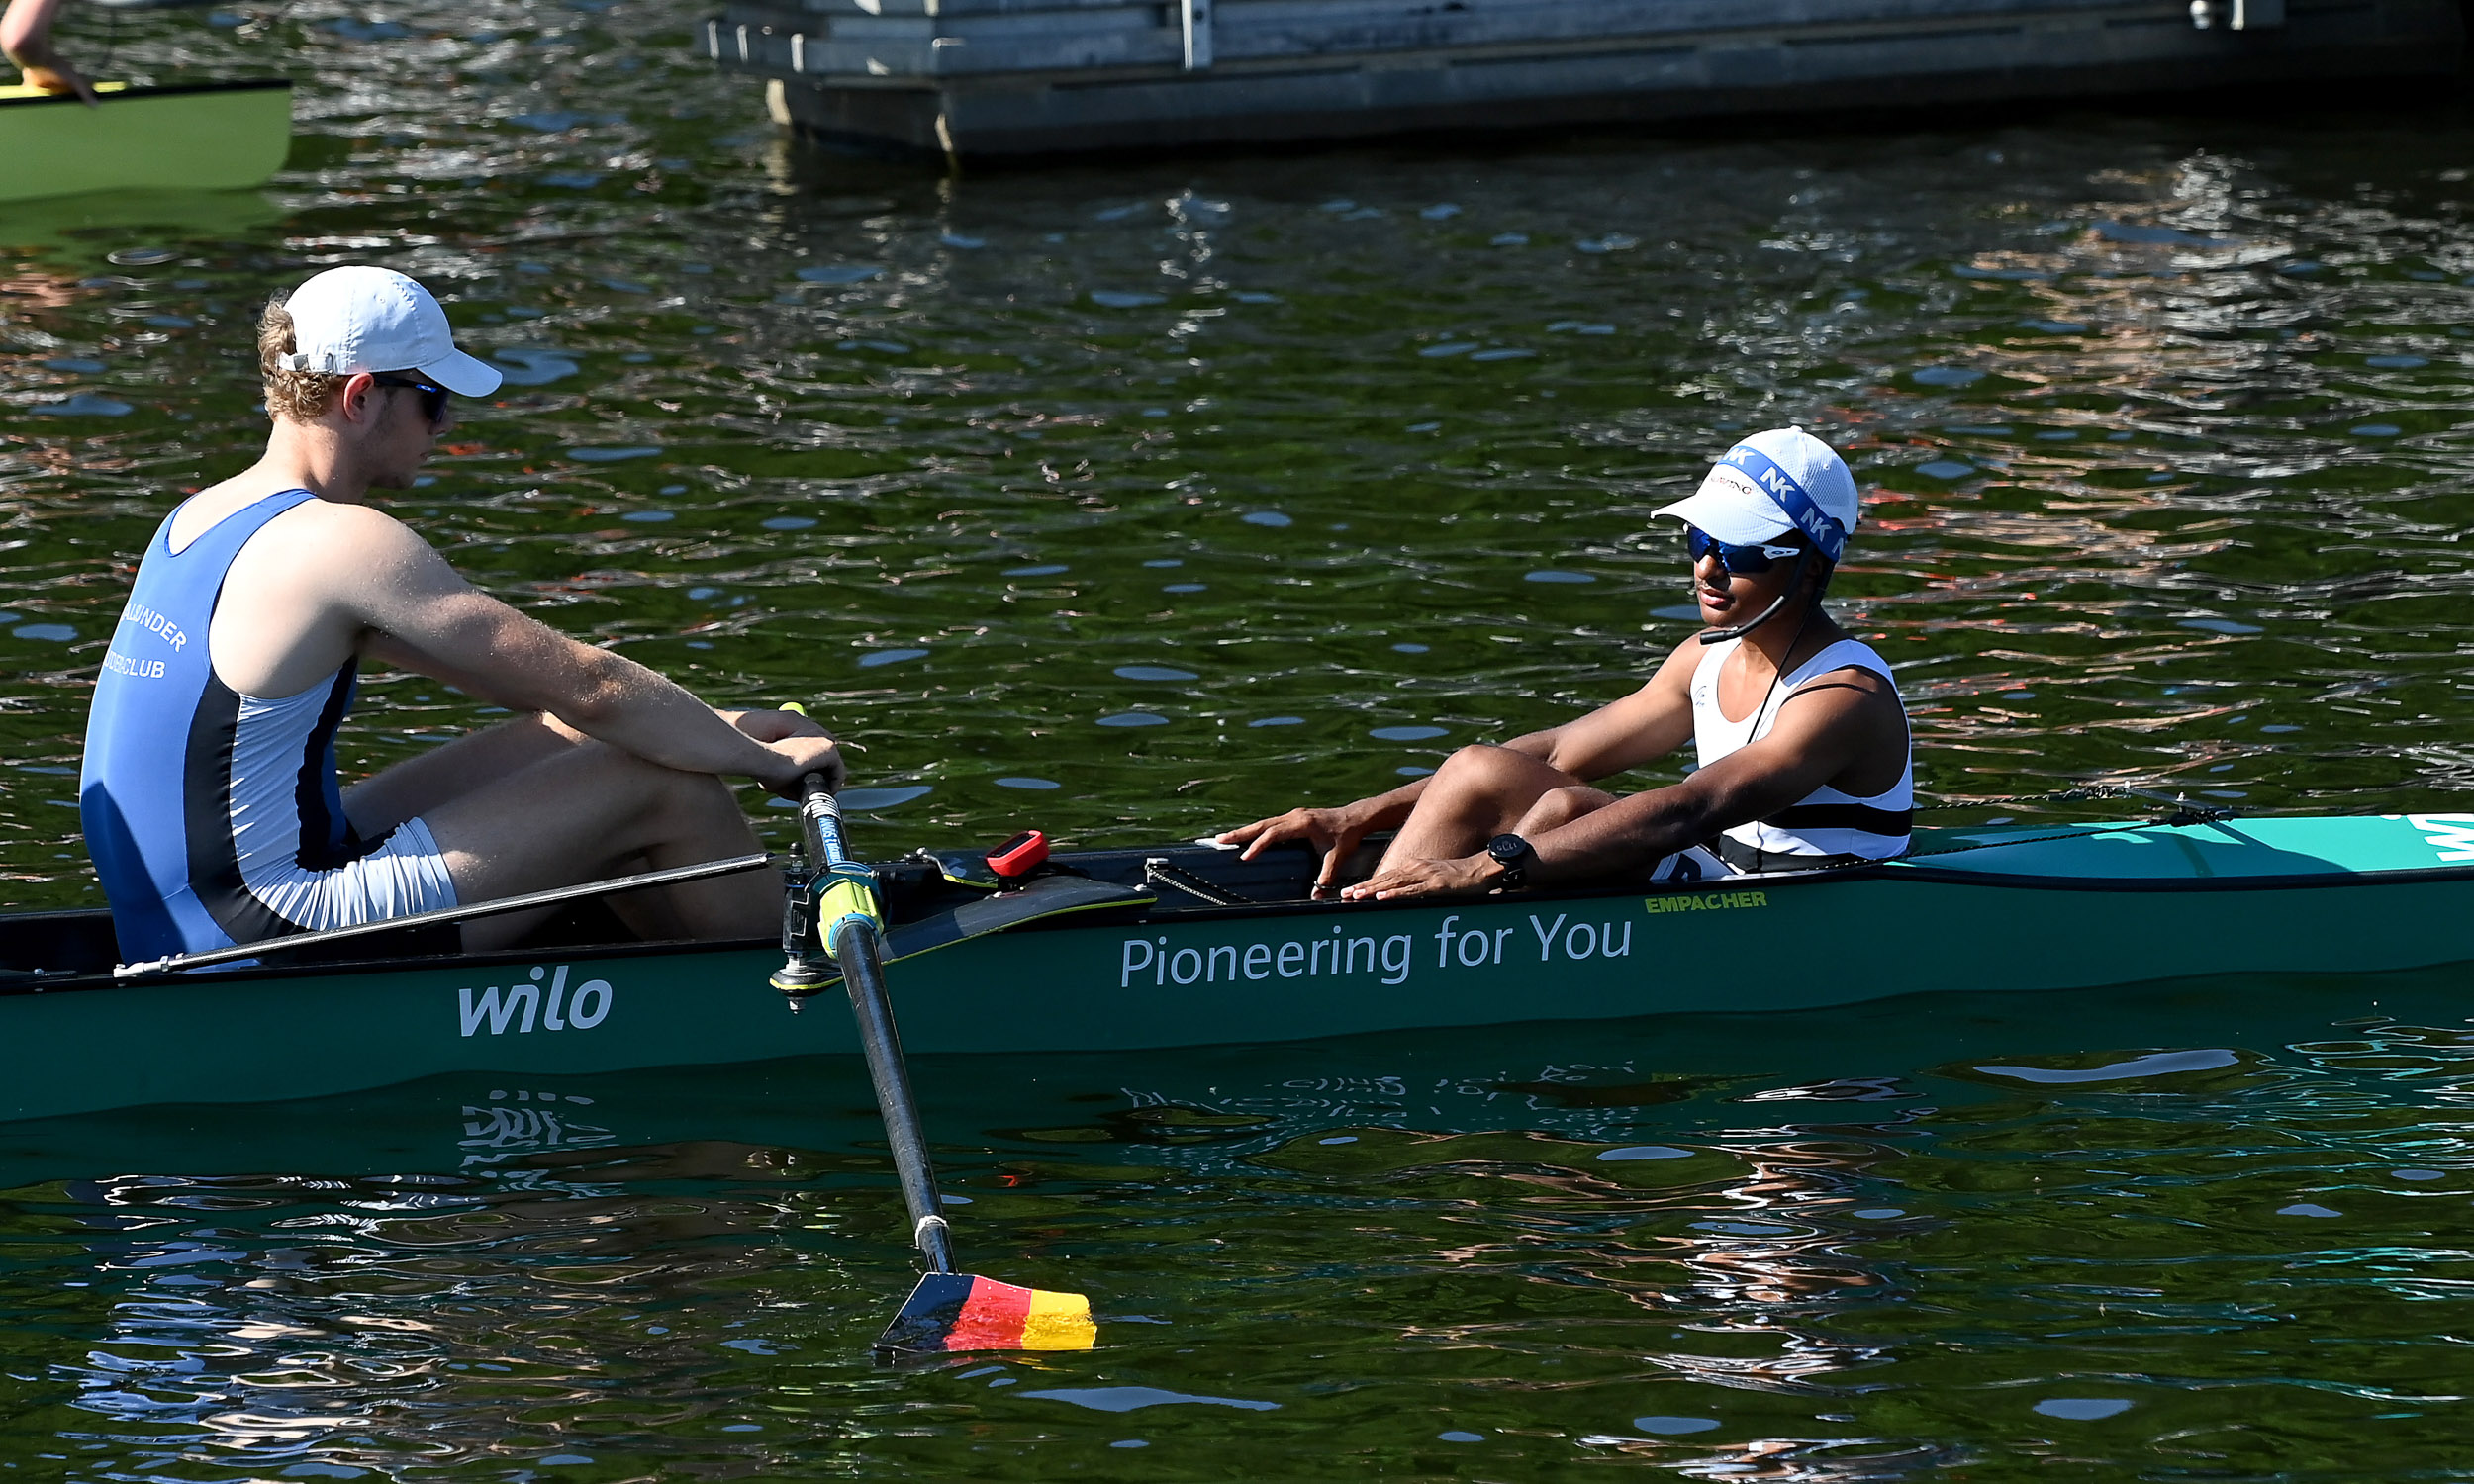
point(464, 375)
point(1726, 514)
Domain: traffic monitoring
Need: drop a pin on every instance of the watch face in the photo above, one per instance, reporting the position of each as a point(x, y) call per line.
point(1508, 848)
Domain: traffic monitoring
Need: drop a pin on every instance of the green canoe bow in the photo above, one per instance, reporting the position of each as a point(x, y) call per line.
point(203, 136)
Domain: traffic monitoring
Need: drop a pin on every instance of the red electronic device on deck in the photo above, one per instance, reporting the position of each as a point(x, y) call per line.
point(1019, 854)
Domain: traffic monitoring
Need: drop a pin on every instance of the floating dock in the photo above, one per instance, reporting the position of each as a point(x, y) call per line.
point(1017, 77)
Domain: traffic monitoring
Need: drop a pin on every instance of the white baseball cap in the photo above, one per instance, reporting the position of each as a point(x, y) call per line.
point(363, 318)
point(1771, 484)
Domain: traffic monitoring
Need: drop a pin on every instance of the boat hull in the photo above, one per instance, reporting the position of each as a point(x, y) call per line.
point(1228, 1110)
point(214, 137)
point(1308, 971)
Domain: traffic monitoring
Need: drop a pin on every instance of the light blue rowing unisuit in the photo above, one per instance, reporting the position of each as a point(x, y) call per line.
point(214, 819)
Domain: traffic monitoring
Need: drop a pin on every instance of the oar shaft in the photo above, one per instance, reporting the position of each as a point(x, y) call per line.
point(855, 949)
point(853, 946)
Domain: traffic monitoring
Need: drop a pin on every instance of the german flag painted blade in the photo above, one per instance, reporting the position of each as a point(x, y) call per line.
point(958, 1311)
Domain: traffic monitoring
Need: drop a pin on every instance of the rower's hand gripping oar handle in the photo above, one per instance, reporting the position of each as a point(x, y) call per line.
point(833, 909)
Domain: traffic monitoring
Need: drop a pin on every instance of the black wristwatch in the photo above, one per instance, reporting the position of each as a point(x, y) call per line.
point(1514, 855)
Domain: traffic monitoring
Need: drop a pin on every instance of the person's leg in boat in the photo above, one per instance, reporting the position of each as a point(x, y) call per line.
point(590, 812)
point(1561, 806)
point(1558, 807)
point(423, 784)
point(426, 783)
point(1477, 794)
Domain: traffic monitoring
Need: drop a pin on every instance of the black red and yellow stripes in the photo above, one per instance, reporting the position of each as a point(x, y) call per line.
point(958, 1311)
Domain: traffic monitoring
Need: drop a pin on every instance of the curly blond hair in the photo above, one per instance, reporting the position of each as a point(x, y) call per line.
point(302, 396)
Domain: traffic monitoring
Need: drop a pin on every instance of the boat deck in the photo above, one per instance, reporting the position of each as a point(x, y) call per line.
point(2211, 851)
point(931, 899)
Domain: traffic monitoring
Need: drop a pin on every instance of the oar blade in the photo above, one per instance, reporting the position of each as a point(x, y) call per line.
point(959, 1310)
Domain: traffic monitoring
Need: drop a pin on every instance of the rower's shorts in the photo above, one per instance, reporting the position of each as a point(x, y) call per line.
point(405, 873)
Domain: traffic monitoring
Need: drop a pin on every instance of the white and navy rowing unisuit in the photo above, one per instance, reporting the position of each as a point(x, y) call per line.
point(214, 819)
point(1826, 826)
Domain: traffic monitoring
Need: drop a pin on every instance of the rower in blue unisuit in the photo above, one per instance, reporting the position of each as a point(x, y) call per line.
point(210, 801)
point(1801, 743)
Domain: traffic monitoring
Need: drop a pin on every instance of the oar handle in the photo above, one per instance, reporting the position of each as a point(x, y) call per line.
point(820, 822)
point(847, 919)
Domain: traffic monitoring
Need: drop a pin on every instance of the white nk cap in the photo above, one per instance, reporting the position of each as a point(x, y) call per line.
point(1771, 484)
point(363, 318)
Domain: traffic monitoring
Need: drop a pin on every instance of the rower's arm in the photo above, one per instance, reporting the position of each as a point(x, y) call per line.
point(419, 615)
point(1826, 727)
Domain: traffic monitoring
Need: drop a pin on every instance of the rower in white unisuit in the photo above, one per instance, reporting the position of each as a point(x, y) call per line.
point(1826, 824)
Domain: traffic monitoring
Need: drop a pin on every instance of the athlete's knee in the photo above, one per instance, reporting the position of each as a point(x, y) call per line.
point(642, 788)
point(688, 795)
point(1483, 763)
point(1495, 775)
point(710, 795)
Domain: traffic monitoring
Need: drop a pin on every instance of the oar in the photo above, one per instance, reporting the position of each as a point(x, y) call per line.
point(834, 907)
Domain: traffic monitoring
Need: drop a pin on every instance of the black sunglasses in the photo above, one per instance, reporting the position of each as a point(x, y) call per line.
point(1743, 561)
point(432, 395)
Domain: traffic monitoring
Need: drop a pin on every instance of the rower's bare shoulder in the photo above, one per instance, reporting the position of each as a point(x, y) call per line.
point(1845, 691)
point(326, 555)
point(335, 519)
point(1861, 678)
point(1851, 687)
point(357, 536)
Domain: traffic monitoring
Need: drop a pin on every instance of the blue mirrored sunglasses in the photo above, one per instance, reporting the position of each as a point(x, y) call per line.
point(1743, 561)
point(432, 395)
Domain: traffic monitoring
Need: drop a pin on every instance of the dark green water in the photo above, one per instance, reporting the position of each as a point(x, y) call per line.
point(2164, 426)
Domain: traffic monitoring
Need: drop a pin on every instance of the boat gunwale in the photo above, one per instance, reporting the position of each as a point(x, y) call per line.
point(1950, 875)
point(133, 94)
point(1896, 871)
point(41, 982)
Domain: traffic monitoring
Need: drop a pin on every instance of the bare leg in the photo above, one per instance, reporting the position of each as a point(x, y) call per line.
point(424, 784)
point(421, 784)
point(1477, 794)
point(1558, 807)
point(590, 810)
